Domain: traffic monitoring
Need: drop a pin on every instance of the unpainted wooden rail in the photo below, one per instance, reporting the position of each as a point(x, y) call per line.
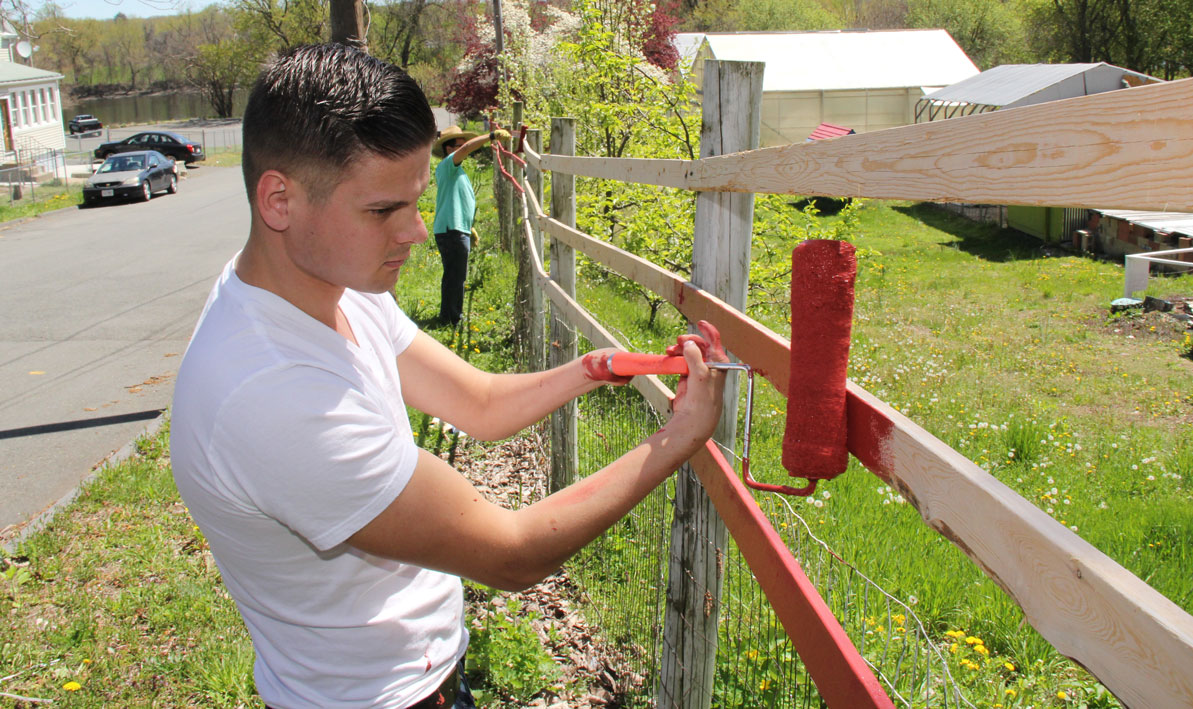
point(1131, 149)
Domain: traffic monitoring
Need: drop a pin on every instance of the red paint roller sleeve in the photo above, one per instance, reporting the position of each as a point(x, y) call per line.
point(822, 278)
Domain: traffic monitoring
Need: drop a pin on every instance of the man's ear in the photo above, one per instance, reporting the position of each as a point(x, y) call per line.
point(274, 192)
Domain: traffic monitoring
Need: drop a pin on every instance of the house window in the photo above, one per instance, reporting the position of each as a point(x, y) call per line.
point(38, 113)
point(53, 93)
point(16, 110)
point(26, 109)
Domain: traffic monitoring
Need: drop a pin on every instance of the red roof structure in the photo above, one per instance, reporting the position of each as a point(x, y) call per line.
point(829, 130)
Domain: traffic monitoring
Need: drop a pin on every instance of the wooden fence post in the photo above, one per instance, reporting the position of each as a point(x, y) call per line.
point(535, 322)
point(732, 109)
point(564, 456)
point(507, 194)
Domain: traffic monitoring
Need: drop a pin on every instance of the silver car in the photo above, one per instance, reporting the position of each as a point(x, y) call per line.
point(135, 175)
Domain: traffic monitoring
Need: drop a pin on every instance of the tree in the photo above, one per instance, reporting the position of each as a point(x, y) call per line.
point(990, 31)
point(221, 68)
point(398, 25)
point(282, 24)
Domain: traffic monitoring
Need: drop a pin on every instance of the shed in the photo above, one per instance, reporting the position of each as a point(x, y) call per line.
point(30, 108)
point(868, 80)
point(1012, 85)
point(825, 131)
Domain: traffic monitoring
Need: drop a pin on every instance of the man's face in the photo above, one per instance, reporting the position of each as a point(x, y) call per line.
point(362, 233)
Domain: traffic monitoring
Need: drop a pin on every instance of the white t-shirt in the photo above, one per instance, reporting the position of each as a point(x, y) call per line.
point(285, 440)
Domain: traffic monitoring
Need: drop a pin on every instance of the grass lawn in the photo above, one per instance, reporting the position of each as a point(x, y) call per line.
point(46, 199)
point(1007, 351)
point(1003, 350)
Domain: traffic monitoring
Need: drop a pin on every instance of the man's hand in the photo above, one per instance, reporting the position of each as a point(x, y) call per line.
point(698, 398)
point(596, 367)
point(473, 238)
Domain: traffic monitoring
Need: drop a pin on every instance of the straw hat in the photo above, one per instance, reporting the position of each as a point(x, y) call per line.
point(450, 133)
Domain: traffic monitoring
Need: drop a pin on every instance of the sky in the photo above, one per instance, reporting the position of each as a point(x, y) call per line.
point(106, 9)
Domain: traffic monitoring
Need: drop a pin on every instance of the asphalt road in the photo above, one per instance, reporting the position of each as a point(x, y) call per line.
point(96, 309)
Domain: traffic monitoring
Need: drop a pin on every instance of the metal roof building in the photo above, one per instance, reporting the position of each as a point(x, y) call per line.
point(864, 80)
point(1012, 85)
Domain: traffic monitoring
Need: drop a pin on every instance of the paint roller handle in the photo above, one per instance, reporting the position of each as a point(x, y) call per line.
point(631, 364)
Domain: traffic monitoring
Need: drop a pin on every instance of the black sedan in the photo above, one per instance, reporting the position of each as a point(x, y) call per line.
point(176, 146)
point(131, 175)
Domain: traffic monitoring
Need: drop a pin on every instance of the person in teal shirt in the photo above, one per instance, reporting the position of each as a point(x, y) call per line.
point(455, 208)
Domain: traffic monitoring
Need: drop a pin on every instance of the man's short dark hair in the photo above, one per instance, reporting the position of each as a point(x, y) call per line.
point(317, 107)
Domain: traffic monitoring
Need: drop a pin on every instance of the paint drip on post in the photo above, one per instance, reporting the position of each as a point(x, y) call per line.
point(815, 445)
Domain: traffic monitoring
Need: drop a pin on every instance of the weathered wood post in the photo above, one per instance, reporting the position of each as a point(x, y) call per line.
point(506, 193)
point(518, 248)
point(732, 108)
point(535, 320)
point(565, 459)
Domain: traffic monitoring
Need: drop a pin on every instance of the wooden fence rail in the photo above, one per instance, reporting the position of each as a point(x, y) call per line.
point(1131, 148)
point(1126, 149)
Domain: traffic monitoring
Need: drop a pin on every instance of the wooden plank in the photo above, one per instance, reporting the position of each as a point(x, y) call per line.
point(1131, 148)
point(842, 677)
point(1133, 639)
point(532, 156)
point(538, 321)
point(647, 171)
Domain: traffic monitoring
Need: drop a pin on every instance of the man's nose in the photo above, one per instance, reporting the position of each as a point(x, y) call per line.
point(413, 232)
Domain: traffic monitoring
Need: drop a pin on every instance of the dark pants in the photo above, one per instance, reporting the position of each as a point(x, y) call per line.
point(453, 249)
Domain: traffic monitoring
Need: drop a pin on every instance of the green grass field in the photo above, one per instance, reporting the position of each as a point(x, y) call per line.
point(1002, 350)
point(1006, 351)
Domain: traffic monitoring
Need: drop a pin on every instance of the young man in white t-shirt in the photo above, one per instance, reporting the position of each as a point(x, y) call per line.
point(341, 541)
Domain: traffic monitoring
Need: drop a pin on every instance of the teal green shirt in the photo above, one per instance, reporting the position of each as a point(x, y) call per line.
point(455, 202)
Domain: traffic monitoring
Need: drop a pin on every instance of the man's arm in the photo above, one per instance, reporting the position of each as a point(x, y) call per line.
point(488, 406)
point(441, 522)
point(477, 143)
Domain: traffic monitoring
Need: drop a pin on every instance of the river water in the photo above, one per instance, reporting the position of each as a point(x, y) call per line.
point(154, 108)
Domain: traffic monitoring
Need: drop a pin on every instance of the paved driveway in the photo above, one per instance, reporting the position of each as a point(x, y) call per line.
point(96, 308)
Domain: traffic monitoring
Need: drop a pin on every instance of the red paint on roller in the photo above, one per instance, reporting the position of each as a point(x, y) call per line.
point(822, 278)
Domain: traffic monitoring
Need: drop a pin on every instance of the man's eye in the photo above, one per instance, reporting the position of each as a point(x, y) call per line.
point(383, 212)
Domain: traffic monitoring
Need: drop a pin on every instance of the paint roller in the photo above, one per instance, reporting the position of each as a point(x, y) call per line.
point(814, 444)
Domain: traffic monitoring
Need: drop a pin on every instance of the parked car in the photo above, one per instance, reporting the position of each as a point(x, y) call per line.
point(172, 144)
point(131, 175)
point(84, 123)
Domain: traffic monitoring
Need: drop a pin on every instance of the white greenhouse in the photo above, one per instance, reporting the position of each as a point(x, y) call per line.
point(864, 80)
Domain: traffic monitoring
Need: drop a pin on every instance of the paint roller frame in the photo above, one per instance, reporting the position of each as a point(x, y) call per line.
point(633, 364)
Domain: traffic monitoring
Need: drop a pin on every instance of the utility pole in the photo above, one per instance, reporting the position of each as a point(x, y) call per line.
point(348, 23)
point(497, 27)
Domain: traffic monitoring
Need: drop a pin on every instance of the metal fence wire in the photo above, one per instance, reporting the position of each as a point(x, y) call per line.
point(624, 586)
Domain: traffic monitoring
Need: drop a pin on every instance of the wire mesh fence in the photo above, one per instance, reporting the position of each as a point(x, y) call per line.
point(42, 175)
point(623, 573)
point(624, 581)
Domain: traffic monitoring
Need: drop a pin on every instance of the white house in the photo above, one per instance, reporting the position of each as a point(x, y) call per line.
point(864, 80)
point(30, 105)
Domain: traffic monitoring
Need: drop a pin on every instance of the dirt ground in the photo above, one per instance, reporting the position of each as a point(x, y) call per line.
point(514, 474)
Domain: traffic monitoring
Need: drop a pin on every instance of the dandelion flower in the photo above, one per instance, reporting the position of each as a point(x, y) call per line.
point(72, 686)
point(1011, 692)
point(1061, 695)
point(971, 640)
point(1009, 666)
point(981, 650)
